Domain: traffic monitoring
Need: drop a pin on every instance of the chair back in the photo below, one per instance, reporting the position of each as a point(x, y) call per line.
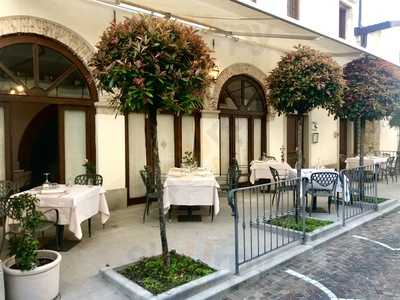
point(324, 181)
point(275, 174)
point(7, 188)
point(89, 179)
point(390, 161)
point(397, 162)
point(233, 175)
point(148, 179)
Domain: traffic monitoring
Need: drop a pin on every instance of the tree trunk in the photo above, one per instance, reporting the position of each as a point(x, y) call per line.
point(361, 140)
point(157, 179)
point(299, 144)
point(398, 139)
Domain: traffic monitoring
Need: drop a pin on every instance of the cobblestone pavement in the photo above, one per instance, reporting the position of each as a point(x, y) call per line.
point(351, 268)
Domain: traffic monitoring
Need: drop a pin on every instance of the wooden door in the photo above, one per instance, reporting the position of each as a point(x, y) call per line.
point(343, 144)
point(291, 140)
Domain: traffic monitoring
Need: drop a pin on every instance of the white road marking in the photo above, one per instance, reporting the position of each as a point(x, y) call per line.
point(317, 284)
point(376, 242)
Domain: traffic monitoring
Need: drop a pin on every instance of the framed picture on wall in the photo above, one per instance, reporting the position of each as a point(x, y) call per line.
point(315, 137)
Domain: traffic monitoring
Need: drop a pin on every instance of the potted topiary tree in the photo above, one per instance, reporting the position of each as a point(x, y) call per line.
point(29, 273)
point(305, 79)
point(371, 93)
point(149, 65)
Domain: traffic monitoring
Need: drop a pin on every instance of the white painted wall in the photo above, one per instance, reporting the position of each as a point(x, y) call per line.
point(389, 137)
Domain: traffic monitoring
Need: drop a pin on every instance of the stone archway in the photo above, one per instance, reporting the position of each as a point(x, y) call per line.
point(29, 24)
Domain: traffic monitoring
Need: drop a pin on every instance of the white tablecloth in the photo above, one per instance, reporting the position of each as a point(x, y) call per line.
point(260, 169)
point(77, 204)
point(194, 189)
point(354, 162)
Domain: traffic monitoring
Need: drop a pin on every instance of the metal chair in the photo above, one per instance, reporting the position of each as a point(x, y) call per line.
point(152, 195)
point(393, 169)
point(323, 184)
point(389, 169)
point(89, 179)
point(44, 225)
point(280, 186)
point(7, 188)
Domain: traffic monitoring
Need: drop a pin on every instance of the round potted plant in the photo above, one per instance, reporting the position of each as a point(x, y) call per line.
point(29, 273)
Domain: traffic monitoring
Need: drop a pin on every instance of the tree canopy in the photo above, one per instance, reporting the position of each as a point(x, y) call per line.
point(305, 79)
point(146, 61)
point(371, 92)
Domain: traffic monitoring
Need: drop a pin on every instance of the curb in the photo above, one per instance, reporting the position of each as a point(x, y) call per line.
point(269, 261)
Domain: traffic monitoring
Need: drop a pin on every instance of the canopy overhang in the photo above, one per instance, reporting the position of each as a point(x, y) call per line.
point(244, 20)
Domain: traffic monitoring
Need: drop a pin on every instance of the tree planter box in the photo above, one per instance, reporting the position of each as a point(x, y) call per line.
point(136, 292)
point(297, 235)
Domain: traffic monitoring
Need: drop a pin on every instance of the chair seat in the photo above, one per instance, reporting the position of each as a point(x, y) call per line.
point(154, 195)
point(45, 225)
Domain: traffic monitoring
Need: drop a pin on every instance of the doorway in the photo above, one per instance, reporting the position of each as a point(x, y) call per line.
point(242, 122)
point(38, 148)
point(291, 140)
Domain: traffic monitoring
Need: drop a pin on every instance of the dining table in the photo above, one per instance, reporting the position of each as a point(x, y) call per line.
point(354, 162)
point(260, 169)
point(191, 188)
point(75, 204)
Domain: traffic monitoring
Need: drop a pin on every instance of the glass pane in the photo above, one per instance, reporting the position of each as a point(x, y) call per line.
point(235, 89)
point(227, 103)
point(75, 143)
point(18, 59)
point(224, 148)
point(241, 143)
point(2, 146)
point(257, 138)
point(256, 105)
point(6, 83)
point(137, 154)
point(74, 86)
point(166, 142)
point(249, 92)
point(187, 134)
point(51, 65)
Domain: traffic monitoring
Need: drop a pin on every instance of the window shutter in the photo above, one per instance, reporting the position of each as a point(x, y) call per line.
point(342, 22)
point(293, 8)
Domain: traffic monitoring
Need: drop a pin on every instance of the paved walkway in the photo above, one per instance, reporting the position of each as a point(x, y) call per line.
point(362, 264)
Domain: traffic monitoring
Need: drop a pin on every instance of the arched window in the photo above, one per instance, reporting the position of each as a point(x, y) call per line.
point(36, 66)
point(242, 121)
point(47, 98)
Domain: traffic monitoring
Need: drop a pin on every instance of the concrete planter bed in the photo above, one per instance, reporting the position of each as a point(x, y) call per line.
point(296, 234)
point(134, 291)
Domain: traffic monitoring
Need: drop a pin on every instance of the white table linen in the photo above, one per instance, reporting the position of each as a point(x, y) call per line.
point(77, 204)
point(260, 169)
point(354, 162)
point(197, 188)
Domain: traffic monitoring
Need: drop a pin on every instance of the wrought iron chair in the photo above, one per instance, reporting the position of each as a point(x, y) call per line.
point(280, 186)
point(229, 181)
point(45, 224)
point(152, 195)
point(389, 169)
point(89, 179)
point(7, 188)
point(324, 184)
point(394, 168)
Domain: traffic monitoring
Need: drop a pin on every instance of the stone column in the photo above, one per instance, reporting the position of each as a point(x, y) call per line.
point(209, 139)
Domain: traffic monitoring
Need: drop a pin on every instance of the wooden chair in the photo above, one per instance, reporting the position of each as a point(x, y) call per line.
point(89, 179)
point(152, 195)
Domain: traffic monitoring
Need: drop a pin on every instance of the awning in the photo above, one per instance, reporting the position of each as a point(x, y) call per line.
point(244, 20)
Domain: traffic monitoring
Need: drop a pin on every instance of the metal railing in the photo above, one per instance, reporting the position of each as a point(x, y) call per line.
point(360, 191)
point(264, 217)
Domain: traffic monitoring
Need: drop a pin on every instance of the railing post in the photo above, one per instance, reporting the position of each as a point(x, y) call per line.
point(377, 169)
point(303, 210)
point(344, 192)
point(233, 204)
